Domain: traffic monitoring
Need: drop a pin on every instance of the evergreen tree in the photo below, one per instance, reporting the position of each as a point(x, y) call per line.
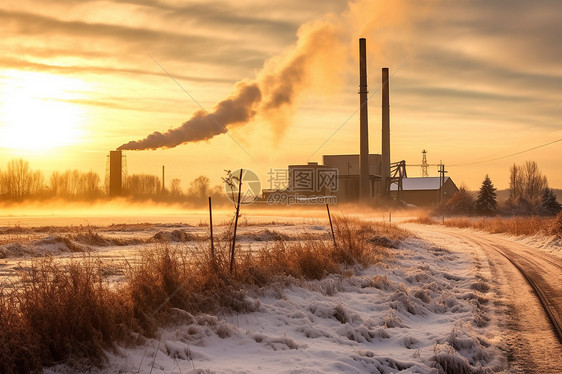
point(486, 202)
point(549, 204)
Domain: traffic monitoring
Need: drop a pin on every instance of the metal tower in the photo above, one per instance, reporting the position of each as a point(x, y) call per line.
point(424, 165)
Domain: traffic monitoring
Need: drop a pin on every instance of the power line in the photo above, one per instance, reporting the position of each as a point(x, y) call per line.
point(509, 155)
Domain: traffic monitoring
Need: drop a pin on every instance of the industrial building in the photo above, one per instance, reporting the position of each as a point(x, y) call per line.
point(314, 179)
point(366, 177)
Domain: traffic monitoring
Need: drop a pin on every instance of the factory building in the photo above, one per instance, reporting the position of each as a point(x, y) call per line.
point(366, 177)
point(309, 180)
point(337, 176)
point(348, 170)
point(429, 191)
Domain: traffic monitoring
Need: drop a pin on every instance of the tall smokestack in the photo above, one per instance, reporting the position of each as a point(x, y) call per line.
point(115, 173)
point(364, 189)
point(385, 163)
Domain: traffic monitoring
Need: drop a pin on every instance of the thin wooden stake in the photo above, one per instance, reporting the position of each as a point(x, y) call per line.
point(211, 226)
point(331, 227)
point(235, 224)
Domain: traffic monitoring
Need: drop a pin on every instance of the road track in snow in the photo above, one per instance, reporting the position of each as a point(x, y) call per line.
point(541, 271)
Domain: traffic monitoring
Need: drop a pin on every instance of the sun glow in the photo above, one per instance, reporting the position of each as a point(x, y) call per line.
point(37, 113)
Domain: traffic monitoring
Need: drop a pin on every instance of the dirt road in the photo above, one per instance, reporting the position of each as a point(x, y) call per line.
point(528, 293)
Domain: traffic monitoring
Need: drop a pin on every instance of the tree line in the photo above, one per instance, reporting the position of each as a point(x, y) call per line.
point(18, 181)
point(529, 194)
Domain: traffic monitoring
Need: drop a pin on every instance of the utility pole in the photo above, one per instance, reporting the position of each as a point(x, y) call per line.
point(442, 173)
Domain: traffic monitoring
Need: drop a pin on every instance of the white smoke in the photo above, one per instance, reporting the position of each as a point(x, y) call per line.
point(316, 59)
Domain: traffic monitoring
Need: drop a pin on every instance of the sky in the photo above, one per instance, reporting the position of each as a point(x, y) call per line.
point(471, 82)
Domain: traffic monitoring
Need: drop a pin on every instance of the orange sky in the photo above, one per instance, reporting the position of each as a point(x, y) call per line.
point(472, 81)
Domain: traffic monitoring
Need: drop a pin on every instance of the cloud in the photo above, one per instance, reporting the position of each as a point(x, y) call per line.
point(105, 44)
point(221, 14)
point(22, 64)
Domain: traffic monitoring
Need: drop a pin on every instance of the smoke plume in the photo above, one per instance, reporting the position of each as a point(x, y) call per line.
point(202, 126)
point(317, 59)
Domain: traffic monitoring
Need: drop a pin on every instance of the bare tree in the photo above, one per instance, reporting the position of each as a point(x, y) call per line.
point(143, 185)
point(55, 182)
point(199, 187)
point(17, 178)
point(3, 190)
point(37, 183)
point(526, 183)
point(73, 183)
point(20, 181)
point(91, 181)
point(515, 183)
point(535, 182)
point(175, 188)
point(20, 177)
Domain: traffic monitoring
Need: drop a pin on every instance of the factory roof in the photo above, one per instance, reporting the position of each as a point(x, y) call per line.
point(419, 184)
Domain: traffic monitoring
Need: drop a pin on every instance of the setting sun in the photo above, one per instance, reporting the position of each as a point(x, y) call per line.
point(36, 114)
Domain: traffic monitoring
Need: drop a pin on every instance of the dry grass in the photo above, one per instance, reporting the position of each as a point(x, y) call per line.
point(556, 226)
point(307, 260)
point(364, 242)
point(70, 313)
point(424, 220)
point(19, 350)
point(60, 313)
point(511, 225)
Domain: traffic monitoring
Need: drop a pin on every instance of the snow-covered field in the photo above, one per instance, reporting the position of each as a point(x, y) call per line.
point(115, 244)
point(551, 244)
point(424, 310)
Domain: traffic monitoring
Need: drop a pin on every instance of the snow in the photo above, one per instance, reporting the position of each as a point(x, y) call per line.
point(550, 244)
point(422, 311)
point(426, 309)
